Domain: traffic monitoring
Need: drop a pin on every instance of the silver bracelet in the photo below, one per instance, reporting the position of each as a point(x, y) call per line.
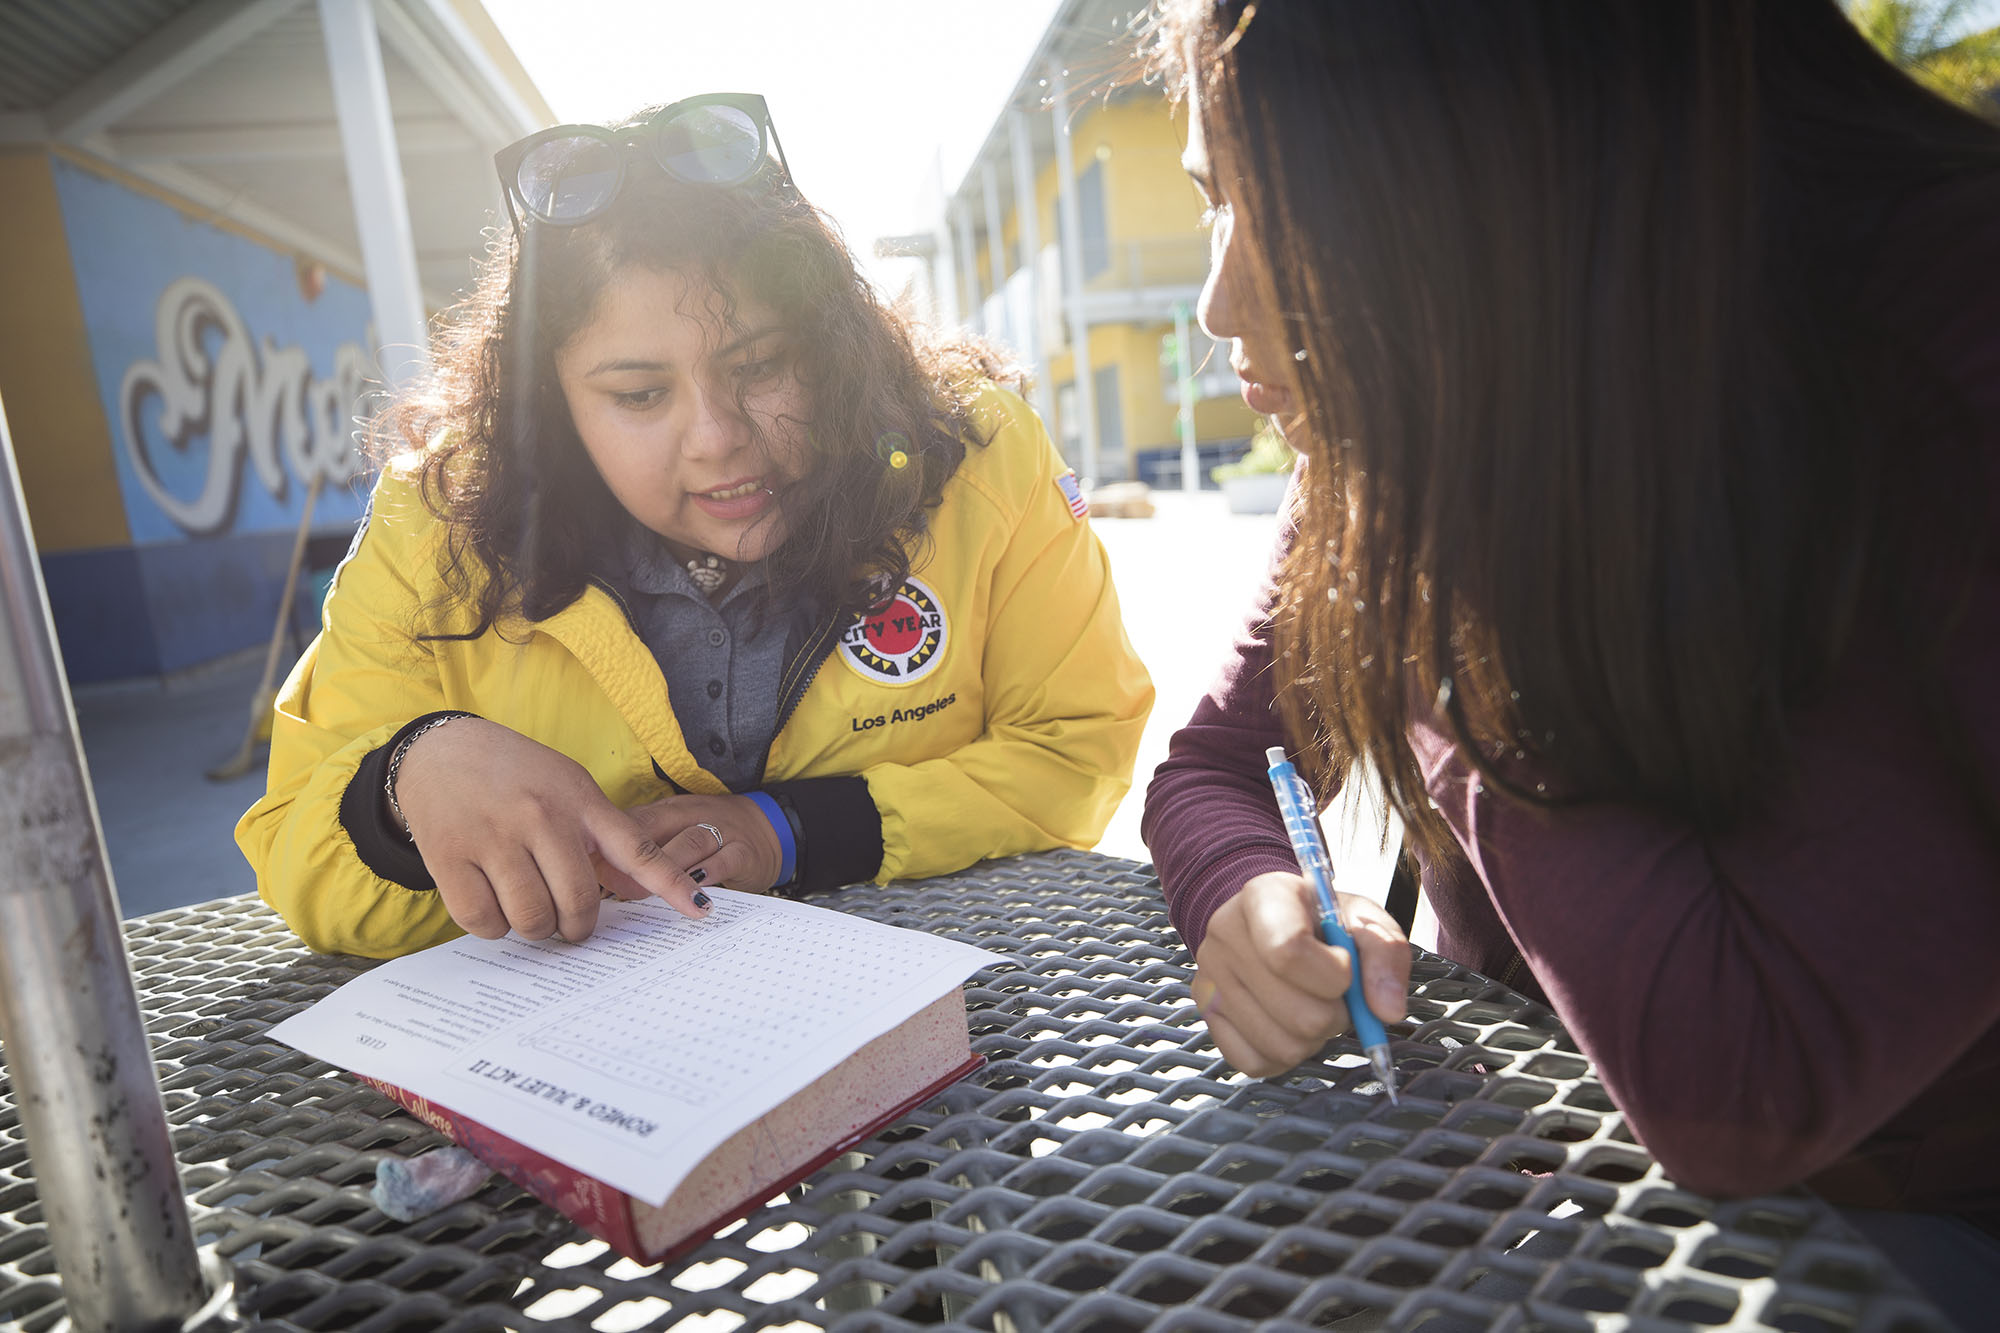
point(396, 765)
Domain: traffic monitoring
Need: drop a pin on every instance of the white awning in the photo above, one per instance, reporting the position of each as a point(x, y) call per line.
point(229, 105)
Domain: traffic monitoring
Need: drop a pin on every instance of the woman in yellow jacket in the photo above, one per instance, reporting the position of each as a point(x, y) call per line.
point(697, 567)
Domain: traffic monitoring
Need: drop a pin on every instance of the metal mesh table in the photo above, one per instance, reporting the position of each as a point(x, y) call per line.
point(1104, 1172)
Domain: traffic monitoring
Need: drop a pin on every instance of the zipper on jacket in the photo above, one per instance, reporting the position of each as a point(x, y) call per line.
point(815, 650)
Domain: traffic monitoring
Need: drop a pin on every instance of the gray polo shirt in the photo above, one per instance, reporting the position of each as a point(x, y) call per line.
point(722, 660)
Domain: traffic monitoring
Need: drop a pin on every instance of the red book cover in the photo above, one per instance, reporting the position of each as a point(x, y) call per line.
point(884, 1080)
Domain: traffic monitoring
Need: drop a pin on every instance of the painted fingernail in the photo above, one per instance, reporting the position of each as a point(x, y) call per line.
point(701, 900)
point(697, 874)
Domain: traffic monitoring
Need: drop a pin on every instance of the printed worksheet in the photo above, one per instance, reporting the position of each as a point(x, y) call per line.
point(633, 1055)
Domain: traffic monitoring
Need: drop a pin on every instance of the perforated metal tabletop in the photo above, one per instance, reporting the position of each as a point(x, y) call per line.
point(1104, 1172)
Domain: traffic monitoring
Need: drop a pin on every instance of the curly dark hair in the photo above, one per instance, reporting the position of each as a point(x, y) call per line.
point(503, 465)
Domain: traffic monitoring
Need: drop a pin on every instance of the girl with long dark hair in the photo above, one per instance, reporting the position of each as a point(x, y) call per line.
point(1645, 364)
point(691, 565)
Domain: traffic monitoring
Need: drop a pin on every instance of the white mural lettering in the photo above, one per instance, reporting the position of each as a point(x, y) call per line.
point(261, 406)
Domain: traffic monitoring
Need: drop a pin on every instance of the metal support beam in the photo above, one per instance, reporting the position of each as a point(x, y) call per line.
point(438, 64)
point(249, 143)
point(375, 181)
point(1184, 392)
point(1071, 223)
point(76, 1046)
point(944, 280)
point(1028, 230)
point(230, 204)
point(996, 245)
point(968, 262)
point(180, 48)
point(514, 117)
point(944, 262)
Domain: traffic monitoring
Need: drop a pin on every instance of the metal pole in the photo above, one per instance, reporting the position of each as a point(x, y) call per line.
point(1028, 231)
point(996, 252)
point(1184, 372)
point(1071, 227)
point(945, 265)
point(375, 179)
point(967, 258)
point(76, 1047)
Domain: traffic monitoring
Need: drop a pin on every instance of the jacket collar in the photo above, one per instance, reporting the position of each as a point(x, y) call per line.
point(596, 631)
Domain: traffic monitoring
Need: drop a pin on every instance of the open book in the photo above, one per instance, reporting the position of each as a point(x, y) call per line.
point(665, 1076)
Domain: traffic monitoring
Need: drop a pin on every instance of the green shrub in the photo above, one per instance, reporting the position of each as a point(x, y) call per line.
point(1268, 453)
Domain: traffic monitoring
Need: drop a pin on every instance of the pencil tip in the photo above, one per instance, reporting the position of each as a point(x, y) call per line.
point(1385, 1070)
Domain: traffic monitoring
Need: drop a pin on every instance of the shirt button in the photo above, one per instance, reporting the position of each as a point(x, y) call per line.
point(715, 689)
point(716, 638)
point(716, 747)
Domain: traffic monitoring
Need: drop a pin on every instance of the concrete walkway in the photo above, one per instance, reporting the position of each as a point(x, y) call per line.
point(1185, 577)
point(166, 826)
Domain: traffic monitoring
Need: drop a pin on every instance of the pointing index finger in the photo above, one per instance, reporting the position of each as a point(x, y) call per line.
point(625, 847)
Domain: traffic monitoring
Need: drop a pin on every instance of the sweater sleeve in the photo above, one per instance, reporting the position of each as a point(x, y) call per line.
point(1211, 821)
point(1760, 1003)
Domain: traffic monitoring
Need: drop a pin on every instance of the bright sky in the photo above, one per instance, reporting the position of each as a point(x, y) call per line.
point(866, 94)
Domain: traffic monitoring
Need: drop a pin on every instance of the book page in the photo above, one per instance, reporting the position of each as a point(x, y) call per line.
point(631, 1056)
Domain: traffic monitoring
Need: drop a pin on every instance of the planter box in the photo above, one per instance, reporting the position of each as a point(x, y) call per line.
point(1258, 493)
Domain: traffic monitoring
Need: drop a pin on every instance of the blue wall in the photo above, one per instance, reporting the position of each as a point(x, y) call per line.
point(225, 390)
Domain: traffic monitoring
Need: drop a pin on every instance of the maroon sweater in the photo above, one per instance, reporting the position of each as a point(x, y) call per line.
point(1814, 998)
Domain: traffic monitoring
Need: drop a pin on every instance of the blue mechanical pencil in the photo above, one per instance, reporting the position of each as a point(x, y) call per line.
point(1295, 802)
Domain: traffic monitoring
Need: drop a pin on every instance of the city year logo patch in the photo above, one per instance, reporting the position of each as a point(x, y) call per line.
point(901, 640)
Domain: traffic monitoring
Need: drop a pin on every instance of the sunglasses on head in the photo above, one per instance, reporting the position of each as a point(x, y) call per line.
point(569, 174)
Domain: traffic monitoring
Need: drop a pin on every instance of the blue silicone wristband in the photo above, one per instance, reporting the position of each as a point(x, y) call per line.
point(788, 848)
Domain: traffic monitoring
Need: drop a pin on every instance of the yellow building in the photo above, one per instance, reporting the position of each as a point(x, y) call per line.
point(1111, 254)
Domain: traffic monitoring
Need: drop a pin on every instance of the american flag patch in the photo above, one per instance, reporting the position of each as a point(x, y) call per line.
point(1073, 493)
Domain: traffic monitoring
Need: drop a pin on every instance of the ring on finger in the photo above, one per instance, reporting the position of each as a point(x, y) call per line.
point(714, 832)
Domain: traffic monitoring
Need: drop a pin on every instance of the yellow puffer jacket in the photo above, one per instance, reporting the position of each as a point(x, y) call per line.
point(994, 708)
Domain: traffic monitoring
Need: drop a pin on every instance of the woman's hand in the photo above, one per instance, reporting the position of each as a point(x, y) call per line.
point(742, 853)
point(514, 832)
point(1272, 992)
